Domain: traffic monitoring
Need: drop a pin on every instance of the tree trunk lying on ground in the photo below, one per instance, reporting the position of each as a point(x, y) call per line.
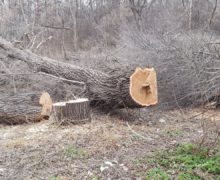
point(134, 89)
point(24, 107)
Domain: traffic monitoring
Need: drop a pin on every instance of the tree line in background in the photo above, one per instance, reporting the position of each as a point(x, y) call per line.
point(73, 25)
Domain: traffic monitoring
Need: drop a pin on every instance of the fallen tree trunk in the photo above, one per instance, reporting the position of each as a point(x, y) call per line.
point(112, 91)
point(24, 107)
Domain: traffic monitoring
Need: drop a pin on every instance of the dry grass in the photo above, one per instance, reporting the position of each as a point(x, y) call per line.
point(47, 151)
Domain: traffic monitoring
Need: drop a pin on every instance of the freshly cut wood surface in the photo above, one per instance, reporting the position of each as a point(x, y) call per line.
point(143, 86)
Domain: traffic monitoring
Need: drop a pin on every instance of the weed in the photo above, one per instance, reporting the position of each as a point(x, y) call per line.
point(135, 137)
point(55, 178)
point(187, 176)
point(94, 177)
point(157, 174)
point(184, 160)
point(74, 152)
point(173, 133)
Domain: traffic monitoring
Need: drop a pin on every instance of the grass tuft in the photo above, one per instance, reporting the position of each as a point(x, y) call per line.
point(74, 152)
point(157, 174)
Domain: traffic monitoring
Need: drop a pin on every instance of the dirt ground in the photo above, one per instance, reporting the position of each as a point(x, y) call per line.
point(106, 148)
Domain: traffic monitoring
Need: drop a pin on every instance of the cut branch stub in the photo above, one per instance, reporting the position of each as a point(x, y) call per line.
point(143, 86)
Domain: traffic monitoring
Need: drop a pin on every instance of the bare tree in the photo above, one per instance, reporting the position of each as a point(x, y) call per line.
point(213, 12)
point(190, 13)
point(137, 9)
point(75, 25)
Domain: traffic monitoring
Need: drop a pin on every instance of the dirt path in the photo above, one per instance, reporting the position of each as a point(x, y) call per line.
point(105, 148)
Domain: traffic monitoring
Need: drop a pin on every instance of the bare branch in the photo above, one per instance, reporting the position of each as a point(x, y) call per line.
point(213, 12)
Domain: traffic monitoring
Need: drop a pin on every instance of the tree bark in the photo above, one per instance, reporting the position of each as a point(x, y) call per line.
point(22, 108)
point(74, 111)
point(109, 91)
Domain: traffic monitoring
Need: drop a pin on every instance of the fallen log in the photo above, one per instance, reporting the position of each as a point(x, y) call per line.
point(125, 89)
point(24, 107)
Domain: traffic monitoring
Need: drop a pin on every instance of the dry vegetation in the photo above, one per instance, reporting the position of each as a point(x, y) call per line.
point(108, 147)
point(180, 39)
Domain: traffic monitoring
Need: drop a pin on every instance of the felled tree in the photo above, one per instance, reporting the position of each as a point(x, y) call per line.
point(125, 89)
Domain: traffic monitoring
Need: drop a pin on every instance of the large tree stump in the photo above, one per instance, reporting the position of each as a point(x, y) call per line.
point(24, 107)
point(73, 111)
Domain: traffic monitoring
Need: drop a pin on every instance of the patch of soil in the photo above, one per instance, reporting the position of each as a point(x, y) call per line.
point(105, 148)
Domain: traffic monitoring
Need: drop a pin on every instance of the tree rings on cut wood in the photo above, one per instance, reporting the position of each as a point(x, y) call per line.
point(46, 103)
point(143, 86)
point(73, 111)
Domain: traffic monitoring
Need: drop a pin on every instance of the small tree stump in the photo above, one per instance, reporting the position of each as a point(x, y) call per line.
point(73, 111)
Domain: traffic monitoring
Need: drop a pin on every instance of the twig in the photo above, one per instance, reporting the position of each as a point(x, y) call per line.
point(57, 27)
point(32, 42)
point(17, 74)
point(22, 10)
point(213, 12)
point(181, 110)
point(63, 79)
point(42, 73)
point(213, 43)
point(43, 42)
